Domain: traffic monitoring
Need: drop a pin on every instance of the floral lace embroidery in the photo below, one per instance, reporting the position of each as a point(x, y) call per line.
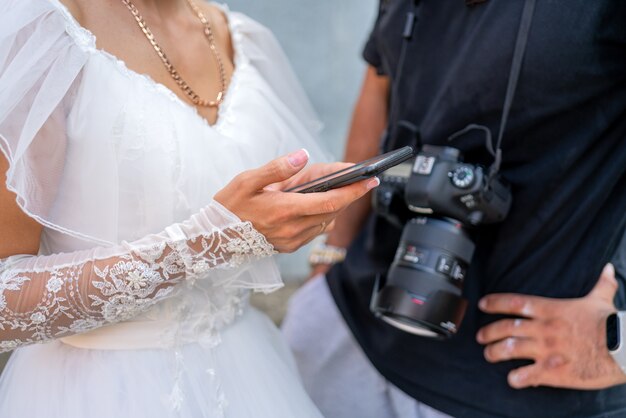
point(38, 304)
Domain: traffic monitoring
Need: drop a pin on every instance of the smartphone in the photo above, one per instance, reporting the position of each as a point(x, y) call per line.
point(361, 171)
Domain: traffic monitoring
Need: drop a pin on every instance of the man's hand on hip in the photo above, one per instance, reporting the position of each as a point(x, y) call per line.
point(566, 338)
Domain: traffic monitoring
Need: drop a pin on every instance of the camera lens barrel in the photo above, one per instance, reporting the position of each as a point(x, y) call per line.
point(422, 290)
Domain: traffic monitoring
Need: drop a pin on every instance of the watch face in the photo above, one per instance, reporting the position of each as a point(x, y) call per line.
point(612, 332)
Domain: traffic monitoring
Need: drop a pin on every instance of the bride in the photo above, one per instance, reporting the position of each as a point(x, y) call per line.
point(134, 220)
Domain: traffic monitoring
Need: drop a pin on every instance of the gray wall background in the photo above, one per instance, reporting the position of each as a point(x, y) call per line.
point(323, 40)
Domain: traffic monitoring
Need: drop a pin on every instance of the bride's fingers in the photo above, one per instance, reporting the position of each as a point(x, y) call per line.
point(291, 236)
point(288, 245)
point(276, 171)
point(295, 228)
point(334, 200)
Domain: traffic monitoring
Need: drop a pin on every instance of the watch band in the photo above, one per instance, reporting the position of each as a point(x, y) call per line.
point(326, 254)
point(615, 337)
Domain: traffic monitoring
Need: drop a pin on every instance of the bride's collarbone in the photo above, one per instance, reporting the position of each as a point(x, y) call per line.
point(179, 34)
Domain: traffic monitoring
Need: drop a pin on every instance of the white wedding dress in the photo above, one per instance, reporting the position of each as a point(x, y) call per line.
point(137, 305)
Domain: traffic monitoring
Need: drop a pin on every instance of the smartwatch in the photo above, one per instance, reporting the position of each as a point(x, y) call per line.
point(615, 337)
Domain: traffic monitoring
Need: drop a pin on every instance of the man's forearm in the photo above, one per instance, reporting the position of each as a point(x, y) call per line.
point(369, 121)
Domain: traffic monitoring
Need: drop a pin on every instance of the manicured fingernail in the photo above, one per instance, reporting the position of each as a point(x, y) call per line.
point(373, 183)
point(298, 158)
point(480, 336)
point(608, 270)
point(482, 304)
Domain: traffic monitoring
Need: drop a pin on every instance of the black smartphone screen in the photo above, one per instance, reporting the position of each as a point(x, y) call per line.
point(360, 171)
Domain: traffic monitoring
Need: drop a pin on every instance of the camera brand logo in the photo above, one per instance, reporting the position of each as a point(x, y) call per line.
point(424, 165)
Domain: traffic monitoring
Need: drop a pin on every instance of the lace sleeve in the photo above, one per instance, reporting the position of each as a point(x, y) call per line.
point(47, 297)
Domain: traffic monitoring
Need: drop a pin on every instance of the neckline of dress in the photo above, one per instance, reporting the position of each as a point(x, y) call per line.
point(87, 41)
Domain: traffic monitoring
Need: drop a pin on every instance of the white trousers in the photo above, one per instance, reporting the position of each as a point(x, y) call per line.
point(336, 373)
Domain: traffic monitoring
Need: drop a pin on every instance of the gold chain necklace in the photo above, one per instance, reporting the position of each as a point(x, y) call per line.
point(208, 32)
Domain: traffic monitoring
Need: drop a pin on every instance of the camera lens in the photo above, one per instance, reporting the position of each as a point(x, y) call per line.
point(422, 291)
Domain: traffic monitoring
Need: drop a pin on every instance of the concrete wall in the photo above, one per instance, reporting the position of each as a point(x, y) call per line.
point(323, 40)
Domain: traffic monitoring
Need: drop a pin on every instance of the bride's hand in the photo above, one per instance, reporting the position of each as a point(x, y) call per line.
point(288, 220)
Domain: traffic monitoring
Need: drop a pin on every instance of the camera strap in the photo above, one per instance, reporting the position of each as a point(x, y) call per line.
point(395, 126)
point(516, 66)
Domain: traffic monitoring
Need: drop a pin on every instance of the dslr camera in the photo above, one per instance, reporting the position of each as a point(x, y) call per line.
point(438, 200)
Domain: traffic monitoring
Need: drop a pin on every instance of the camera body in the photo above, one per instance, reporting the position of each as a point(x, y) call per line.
point(437, 199)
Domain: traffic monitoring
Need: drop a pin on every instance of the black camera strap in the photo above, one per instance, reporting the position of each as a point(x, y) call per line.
point(394, 126)
point(516, 66)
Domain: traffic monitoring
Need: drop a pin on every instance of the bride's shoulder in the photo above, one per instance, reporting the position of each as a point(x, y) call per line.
point(75, 7)
point(219, 21)
point(217, 14)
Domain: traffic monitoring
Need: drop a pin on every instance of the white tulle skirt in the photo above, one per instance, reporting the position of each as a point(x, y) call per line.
point(249, 374)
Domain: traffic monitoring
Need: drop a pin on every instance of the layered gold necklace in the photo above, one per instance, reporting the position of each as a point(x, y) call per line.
point(208, 32)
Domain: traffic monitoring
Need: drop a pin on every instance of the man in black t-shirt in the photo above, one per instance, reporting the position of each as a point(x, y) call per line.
point(564, 154)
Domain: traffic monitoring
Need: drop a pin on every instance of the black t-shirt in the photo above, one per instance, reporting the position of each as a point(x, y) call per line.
point(564, 154)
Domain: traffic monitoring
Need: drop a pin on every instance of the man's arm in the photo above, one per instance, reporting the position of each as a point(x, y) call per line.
point(565, 338)
point(20, 233)
point(369, 120)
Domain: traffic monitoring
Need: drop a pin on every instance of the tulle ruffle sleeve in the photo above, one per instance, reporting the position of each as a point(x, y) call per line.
point(40, 66)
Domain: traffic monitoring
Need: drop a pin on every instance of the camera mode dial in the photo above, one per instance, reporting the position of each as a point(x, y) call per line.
point(462, 177)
